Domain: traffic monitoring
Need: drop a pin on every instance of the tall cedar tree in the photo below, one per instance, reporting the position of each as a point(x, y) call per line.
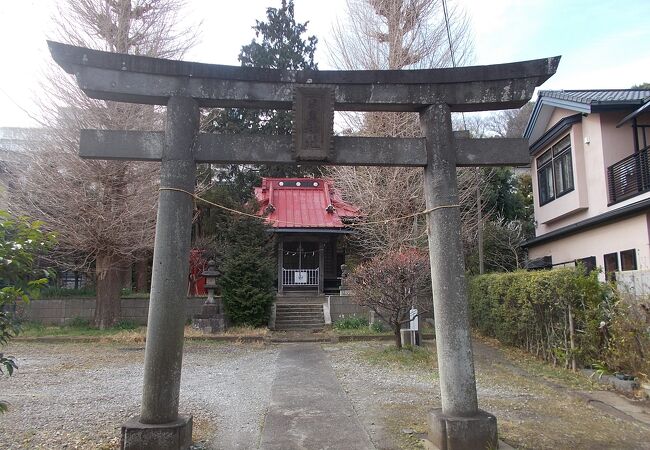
point(278, 44)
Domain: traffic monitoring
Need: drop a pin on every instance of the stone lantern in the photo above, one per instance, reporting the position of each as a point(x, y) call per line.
point(210, 282)
point(211, 319)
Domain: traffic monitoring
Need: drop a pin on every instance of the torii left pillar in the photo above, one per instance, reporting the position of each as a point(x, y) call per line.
point(159, 426)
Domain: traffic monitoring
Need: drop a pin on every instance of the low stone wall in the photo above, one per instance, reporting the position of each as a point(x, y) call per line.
point(344, 306)
point(64, 310)
point(634, 283)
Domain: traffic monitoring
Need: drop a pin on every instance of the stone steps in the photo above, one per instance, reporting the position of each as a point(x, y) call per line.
point(299, 316)
point(300, 300)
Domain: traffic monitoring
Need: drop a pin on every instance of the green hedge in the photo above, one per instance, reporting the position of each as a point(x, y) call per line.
point(530, 310)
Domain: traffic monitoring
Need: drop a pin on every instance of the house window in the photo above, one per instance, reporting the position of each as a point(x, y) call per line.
point(611, 265)
point(555, 171)
point(628, 260)
point(589, 263)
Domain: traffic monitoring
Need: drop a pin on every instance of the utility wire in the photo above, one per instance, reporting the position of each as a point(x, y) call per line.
point(451, 47)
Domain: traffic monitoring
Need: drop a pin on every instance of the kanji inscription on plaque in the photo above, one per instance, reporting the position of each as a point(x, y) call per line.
point(313, 123)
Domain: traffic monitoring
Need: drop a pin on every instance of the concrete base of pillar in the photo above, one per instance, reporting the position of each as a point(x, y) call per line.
point(463, 433)
point(175, 435)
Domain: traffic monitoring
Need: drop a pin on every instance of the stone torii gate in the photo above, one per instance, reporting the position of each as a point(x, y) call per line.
point(184, 87)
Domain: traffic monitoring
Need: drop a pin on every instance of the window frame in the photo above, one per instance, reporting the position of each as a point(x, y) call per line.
point(610, 275)
point(632, 252)
point(550, 160)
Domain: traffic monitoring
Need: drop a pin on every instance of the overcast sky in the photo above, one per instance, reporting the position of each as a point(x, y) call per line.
point(603, 43)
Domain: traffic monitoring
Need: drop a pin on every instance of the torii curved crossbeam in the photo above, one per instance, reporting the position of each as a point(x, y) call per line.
point(142, 79)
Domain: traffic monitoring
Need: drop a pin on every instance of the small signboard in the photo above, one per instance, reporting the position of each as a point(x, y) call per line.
point(300, 278)
point(415, 320)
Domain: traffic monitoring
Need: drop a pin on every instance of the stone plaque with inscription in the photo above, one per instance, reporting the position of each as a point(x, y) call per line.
point(313, 123)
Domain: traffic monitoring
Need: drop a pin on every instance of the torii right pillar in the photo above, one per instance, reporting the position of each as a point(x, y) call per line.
point(459, 424)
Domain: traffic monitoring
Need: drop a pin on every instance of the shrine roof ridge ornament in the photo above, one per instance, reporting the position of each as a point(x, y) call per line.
point(142, 79)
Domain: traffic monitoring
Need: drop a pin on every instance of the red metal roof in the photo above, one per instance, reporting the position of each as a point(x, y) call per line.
point(302, 203)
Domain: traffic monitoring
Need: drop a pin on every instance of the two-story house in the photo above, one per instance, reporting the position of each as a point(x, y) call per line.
point(591, 179)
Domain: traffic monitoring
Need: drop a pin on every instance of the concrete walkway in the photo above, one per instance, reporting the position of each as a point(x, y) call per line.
point(308, 409)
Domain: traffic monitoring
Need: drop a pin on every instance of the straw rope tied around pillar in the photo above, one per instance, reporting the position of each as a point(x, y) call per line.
point(253, 216)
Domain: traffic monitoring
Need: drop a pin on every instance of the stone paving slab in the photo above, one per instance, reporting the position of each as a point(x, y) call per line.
point(308, 408)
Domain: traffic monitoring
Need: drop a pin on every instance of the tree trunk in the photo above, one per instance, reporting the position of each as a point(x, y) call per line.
point(109, 286)
point(398, 336)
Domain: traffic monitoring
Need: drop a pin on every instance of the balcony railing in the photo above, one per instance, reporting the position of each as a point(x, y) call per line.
point(629, 177)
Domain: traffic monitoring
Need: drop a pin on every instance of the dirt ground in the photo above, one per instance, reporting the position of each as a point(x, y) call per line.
point(537, 407)
point(76, 395)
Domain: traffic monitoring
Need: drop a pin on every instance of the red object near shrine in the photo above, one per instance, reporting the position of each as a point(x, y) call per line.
point(196, 282)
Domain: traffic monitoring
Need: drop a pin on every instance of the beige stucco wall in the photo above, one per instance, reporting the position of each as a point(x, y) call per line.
point(558, 114)
point(569, 203)
point(596, 144)
point(623, 235)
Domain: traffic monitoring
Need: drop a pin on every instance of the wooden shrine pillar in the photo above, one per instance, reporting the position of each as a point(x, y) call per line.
point(280, 265)
point(321, 267)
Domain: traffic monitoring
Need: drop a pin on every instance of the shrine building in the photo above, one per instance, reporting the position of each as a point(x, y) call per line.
point(309, 217)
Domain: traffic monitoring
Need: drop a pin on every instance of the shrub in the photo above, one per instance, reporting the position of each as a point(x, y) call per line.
point(534, 311)
point(21, 242)
point(392, 284)
point(351, 323)
point(79, 322)
point(126, 325)
point(628, 343)
point(246, 289)
point(57, 292)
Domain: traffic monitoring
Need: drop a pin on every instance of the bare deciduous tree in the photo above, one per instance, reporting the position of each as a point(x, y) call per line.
point(393, 283)
point(103, 212)
point(510, 123)
point(395, 34)
point(504, 252)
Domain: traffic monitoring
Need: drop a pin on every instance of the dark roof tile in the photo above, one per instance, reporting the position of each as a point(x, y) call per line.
point(599, 96)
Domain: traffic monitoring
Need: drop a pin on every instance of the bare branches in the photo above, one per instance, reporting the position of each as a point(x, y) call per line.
point(506, 237)
point(94, 207)
point(394, 34)
point(393, 283)
point(398, 34)
point(384, 193)
point(103, 212)
point(139, 27)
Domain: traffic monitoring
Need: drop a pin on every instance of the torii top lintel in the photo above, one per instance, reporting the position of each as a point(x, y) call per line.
point(146, 80)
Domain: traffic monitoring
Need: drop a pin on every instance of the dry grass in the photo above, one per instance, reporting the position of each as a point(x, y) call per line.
point(125, 337)
point(245, 332)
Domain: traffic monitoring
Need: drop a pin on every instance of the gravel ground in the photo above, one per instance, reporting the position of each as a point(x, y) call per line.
point(78, 395)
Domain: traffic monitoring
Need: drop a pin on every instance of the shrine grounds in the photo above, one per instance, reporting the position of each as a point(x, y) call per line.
point(76, 395)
